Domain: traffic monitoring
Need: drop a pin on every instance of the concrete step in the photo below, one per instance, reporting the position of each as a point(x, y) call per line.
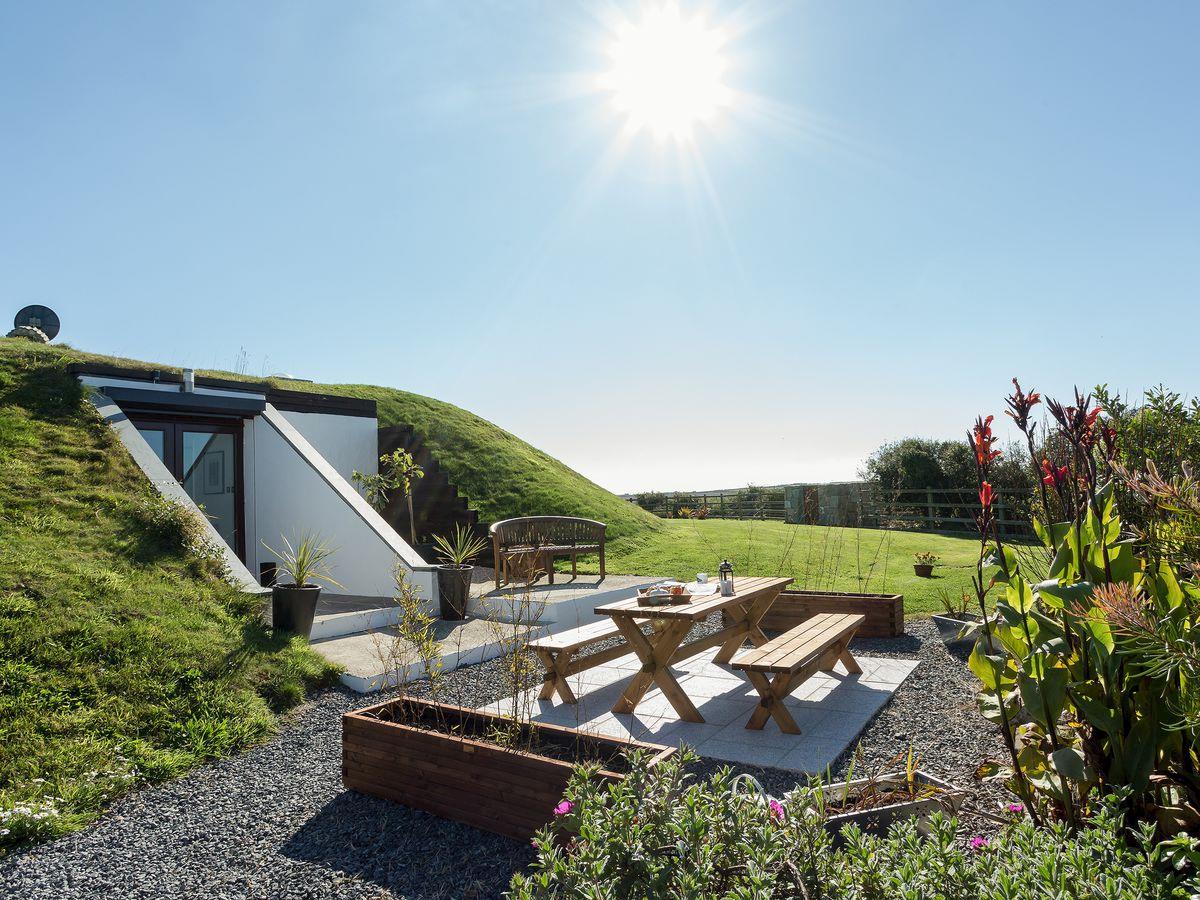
point(378, 659)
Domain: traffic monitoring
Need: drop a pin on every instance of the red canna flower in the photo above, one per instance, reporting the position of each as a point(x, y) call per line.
point(1020, 405)
point(985, 496)
point(982, 441)
point(1054, 476)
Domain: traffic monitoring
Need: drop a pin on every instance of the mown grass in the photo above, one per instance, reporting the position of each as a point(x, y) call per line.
point(124, 658)
point(817, 557)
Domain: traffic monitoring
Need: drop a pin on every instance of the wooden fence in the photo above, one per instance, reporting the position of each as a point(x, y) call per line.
point(852, 505)
point(719, 504)
point(948, 509)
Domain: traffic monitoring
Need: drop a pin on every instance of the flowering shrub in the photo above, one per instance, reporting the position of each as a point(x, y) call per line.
point(661, 834)
point(1090, 661)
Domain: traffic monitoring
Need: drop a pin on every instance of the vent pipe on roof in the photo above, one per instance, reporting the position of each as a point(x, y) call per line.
point(189, 381)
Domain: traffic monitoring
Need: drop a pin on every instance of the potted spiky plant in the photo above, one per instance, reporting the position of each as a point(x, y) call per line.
point(294, 600)
point(956, 625)
point(454, 572)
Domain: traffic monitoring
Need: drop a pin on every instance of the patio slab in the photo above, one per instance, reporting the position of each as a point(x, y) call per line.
point(831, 708)
point(378, 658)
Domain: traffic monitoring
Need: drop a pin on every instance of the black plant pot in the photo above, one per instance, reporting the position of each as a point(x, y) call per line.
point(454, 587)
point(293, 608)
point(922, 570)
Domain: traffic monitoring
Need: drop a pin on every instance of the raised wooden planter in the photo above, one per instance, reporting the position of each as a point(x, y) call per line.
point(473, 781)
point(878, 820)
point(884, 612)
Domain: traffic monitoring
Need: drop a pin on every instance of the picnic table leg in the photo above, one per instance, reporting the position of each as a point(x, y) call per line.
point(556, 676)
point(749, 618)
point(655, 657)
point(841, 651)
point(771, 705)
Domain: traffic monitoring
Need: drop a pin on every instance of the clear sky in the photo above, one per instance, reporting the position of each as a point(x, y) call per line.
point(895, 208)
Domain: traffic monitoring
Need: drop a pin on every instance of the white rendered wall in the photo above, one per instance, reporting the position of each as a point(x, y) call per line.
point(348, 443)
point(291, 489)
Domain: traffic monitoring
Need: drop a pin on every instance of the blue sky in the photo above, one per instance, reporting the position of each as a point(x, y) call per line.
point(903, 206)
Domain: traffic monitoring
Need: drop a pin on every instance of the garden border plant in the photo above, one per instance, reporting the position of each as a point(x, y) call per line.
point(1084, 669)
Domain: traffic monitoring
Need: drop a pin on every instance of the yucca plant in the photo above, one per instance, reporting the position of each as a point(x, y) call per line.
point(306, 562)
point(454, 575)
point(459, 549)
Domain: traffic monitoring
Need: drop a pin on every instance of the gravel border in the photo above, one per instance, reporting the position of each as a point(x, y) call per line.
point(275, 822)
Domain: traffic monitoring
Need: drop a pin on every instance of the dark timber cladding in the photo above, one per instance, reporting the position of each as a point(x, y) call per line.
point(280, 398)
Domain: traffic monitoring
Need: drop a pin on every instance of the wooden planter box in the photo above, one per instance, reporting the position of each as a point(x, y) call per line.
point(507, 791)
point(878, 820)
point(884, 612)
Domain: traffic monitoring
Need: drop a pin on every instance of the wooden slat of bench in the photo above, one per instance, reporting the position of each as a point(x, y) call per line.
point(804, 639)
point(552, 548)
point(578, 637)
point(793, 649)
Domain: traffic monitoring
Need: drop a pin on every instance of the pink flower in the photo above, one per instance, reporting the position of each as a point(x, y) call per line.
point(977, 843)
point(1016, 808)
point(563, 808)
point(535, 845)
point(776, 809)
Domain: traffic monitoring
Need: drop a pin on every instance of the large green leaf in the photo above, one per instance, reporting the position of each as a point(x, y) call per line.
point(1069, 763)
point(1090, 701)
point(1121, 562)
point(1056, 595)
point(1043, 689)
point(1094, 628)
point(1141, 751)
point(1011, 636)
point(1166, 586)
point(1019, 594)
point(988, 668)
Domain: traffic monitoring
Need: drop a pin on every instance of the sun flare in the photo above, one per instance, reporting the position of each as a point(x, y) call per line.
point(666, 73)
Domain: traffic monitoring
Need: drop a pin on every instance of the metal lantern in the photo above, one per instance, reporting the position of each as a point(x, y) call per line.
point(725, 574)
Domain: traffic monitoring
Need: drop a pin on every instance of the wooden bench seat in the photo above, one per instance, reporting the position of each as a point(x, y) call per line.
point(815, 645)
point(530, 543)
point(557, 653)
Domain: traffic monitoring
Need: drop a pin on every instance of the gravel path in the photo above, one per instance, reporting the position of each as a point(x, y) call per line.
point(275, 822)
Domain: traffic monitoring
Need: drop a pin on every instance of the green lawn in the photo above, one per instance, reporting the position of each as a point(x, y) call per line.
point(124, 658)
point(819, 558)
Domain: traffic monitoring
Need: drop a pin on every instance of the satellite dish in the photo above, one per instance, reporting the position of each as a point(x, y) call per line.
point(43, 318)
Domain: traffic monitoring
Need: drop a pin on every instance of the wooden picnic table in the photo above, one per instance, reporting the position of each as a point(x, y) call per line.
point(664, 645)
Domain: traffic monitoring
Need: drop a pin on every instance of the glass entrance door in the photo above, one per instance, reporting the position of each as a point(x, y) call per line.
point(206, 459)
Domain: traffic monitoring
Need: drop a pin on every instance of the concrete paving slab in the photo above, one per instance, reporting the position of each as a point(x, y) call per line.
point(831, 709)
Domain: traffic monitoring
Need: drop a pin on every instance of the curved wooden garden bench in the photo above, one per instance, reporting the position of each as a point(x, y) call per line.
point(814, 645)
point(537, 540)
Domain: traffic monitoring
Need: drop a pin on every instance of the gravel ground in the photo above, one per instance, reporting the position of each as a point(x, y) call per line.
point(275, 821)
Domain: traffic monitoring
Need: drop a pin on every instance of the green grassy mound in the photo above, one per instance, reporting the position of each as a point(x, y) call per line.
point(124, 658)
point(501, 475)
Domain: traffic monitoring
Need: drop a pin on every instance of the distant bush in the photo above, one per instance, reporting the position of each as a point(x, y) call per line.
point(919, 463)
